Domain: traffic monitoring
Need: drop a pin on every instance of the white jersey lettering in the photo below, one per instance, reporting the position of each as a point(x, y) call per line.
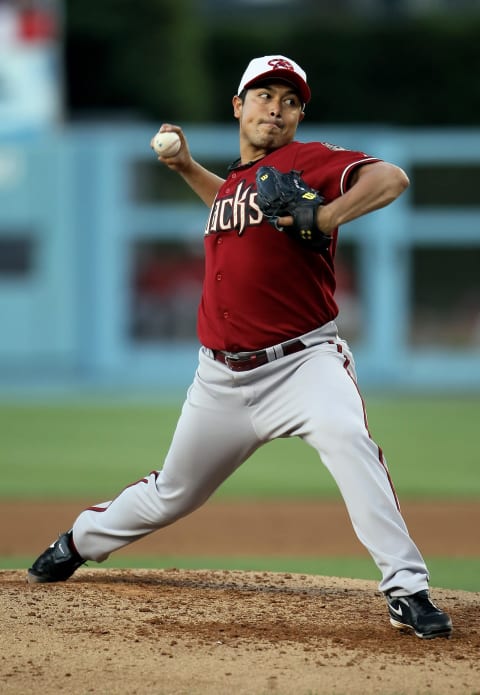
point(235, 213)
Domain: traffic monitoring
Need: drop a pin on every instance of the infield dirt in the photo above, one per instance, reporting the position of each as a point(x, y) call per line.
point(203, 632)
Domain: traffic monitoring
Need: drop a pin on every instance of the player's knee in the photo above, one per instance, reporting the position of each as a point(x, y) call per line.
point(175, 502)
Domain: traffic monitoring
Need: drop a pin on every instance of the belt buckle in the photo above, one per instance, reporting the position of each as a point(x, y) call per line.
point(239, 363)
point(231, 362)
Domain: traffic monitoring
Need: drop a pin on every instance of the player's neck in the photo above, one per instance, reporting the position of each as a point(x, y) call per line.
point(252, 154)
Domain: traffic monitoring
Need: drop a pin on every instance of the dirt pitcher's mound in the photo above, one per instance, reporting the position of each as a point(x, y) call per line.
point(172, 632)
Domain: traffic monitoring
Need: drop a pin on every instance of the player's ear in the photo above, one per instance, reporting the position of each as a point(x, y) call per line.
point(301, 116)
point(237, 106)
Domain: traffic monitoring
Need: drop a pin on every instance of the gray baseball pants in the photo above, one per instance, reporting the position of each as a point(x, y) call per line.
point(227, 415)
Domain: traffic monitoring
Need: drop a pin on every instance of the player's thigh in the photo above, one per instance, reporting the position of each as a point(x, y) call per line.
point(325, 397)
point(214, 435)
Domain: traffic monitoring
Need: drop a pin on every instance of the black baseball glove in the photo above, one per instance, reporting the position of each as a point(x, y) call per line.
point(279, 195)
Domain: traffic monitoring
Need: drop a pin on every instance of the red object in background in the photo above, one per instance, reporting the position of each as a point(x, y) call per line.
point(37, 25)
point(166, 277)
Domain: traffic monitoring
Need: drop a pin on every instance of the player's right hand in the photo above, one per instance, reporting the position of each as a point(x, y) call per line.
point(183, 159)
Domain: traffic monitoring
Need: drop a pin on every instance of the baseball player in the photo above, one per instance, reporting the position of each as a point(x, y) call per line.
point(271, 362)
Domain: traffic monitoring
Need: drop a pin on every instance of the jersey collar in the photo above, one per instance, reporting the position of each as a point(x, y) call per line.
point(237, 164)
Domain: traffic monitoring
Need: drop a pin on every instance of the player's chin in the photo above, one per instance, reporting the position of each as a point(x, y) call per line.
point(271, 139)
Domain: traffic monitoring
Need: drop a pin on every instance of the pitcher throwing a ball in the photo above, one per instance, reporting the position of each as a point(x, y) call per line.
point(271, 362)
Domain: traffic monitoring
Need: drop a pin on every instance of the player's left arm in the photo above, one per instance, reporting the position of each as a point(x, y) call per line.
point(372, 186)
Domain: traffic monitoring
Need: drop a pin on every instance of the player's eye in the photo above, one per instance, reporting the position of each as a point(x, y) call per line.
point(292, 101)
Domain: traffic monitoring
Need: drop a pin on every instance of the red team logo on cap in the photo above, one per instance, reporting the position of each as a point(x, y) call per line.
point(280, 64)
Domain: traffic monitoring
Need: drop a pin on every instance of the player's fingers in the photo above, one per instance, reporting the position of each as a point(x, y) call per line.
point(285, 221)
point(169, 128)
point(179, 159)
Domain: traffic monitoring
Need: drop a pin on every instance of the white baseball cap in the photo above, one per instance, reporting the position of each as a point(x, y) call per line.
point(280, 68)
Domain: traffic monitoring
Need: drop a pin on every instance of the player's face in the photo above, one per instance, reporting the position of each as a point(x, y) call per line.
point(268, 117)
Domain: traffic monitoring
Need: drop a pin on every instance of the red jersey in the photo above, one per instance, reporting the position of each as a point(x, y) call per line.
point(261, 287)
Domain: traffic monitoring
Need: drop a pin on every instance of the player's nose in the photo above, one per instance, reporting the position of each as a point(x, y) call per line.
point(275, 109)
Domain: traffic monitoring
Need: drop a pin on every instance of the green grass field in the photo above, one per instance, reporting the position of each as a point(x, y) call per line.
point(431, 447)
point(463, 573)
point(78, 449)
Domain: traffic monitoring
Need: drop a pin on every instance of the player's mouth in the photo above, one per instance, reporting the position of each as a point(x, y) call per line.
point(274, 124)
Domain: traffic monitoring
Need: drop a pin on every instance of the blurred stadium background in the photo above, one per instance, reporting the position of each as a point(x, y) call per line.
point(101, 249)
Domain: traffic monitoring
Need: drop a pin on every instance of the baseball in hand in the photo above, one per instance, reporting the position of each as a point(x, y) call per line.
point(166, 144)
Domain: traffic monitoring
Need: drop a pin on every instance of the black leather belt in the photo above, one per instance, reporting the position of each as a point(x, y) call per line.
point(239, 362)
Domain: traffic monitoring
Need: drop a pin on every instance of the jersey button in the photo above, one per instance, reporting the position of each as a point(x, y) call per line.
point(219, 276)
point(219, 240)
point(226, 315)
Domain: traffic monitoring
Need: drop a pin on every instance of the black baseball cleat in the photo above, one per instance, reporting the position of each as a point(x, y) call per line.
point(57, 563)
point(417, 612)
